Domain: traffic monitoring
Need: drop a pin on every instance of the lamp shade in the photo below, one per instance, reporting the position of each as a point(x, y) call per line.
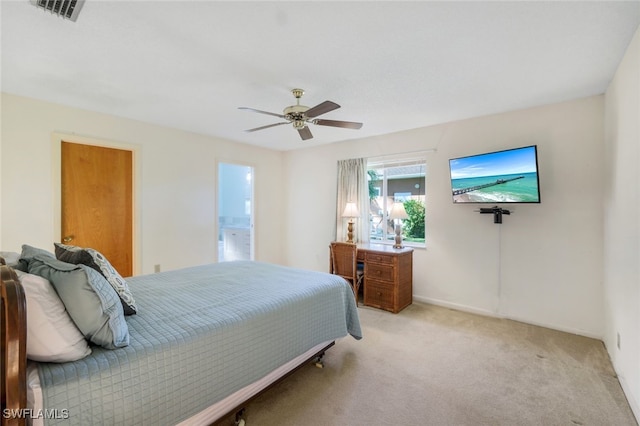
point(351, 210)
point(398, 211)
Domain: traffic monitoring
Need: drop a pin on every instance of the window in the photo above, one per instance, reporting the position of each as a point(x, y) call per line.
point(397, 181)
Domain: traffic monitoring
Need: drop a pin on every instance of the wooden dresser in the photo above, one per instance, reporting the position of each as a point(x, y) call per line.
point(388, 276)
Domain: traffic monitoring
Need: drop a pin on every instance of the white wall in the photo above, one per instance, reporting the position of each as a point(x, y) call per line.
point(175, 177)
point(543, 265)
point(622, 223)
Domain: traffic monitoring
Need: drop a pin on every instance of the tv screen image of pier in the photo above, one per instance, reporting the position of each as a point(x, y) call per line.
point(509, 176)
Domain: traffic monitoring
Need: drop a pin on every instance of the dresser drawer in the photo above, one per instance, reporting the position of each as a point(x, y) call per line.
point(378, 272)
point(379, 295)
point(380, 258)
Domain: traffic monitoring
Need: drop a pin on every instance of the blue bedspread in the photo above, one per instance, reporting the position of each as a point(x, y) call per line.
point(200, 334)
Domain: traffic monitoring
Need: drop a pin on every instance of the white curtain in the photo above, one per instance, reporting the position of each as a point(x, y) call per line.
point(353, 188)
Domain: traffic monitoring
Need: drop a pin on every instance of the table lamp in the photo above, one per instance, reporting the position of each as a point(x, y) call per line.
point(350, 211)
point(397, 213)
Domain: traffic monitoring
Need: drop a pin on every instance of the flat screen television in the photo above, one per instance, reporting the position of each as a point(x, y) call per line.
point(509, 176)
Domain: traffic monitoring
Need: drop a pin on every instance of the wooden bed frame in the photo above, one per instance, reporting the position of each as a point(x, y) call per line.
point(13, 371)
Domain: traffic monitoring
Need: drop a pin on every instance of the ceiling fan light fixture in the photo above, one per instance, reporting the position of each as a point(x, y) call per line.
point(299, 115)
point(295, 109)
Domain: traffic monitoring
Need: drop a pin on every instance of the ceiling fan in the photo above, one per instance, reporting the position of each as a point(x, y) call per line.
point(300, 116)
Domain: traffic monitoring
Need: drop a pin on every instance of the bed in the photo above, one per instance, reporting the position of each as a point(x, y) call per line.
point(204, 341)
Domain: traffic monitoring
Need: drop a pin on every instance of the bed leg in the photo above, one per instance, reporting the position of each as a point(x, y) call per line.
point(318, 361)
point(239, 420)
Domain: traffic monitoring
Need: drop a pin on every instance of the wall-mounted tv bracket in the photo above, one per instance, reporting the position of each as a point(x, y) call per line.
point(496, 211)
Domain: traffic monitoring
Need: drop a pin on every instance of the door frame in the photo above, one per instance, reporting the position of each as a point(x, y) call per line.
point(56, 180)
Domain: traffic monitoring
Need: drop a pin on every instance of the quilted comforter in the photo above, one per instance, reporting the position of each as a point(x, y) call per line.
point(200, 334)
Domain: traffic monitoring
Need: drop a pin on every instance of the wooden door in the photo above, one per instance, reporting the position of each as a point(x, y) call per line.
point(97, 189)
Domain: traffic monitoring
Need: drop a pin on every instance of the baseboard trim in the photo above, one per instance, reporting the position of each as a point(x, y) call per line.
point(633, 403)
point(455, 306)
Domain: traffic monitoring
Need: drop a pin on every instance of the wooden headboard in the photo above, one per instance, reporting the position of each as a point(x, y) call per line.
point(13, 371)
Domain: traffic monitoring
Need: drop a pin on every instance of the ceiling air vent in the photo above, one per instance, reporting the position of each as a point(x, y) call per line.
point(68, 9)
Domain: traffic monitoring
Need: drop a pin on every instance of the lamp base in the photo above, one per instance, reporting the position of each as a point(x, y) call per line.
point(398, 242)
point(350, 232)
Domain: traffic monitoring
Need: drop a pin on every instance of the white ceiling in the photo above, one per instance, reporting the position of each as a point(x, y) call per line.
point(391, 65)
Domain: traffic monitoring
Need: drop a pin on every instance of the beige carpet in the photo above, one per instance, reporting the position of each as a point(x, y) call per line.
point(430, 365)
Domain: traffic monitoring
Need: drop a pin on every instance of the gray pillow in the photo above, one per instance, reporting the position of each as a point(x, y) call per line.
point(91, 302)
point(28, 253)
point(96, 260)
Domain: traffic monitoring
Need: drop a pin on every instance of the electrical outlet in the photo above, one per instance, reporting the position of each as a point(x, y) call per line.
point(156, 269)
point(618, 343)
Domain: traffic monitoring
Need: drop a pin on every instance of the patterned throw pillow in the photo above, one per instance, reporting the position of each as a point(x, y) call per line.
point(94, 259)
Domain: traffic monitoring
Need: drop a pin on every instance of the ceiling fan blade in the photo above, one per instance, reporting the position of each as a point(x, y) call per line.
point(322, 108)
point(262, 112)
point(336, 123)
point(305, 133)
point(266, 127)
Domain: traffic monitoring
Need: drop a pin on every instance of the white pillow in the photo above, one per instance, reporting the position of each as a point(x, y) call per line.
point(51, 334)
point(10, 257)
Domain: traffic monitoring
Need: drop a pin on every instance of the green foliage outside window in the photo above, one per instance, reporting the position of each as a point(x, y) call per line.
point(373, 177)
point(414, 225)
